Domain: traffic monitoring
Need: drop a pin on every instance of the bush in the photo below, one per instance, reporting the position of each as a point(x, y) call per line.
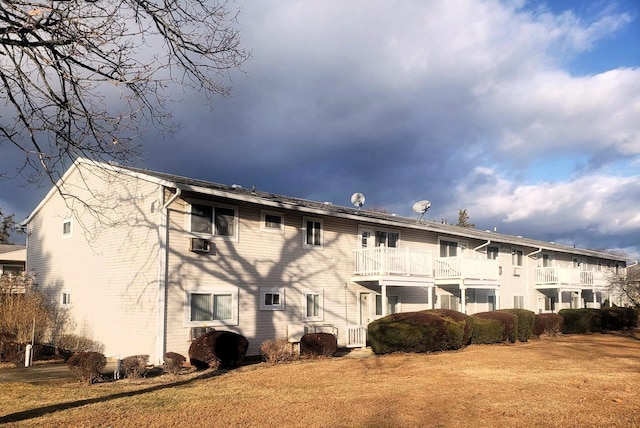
point(526, 322)
point(581, 321)
point(414, 332)
point(318, 345)
point(464, 320)
point(486, 331)
point(277, 351)
point(173, 362)
point(616, 318)
point(87, 365)
point(218, 348)
point(21, 304)
point(135, 366)
point(13, 353)
point(549, 324)
point(73, 344)
point(509, 321)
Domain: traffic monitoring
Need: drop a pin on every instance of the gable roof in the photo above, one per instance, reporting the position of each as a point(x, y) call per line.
point(234, 192)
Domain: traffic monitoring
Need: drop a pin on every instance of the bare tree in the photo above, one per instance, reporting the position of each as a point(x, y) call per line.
point(626, 286)
point(6, 226)
point(463, 219)
point(87, 77)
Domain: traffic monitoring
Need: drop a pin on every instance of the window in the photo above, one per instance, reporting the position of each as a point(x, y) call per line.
point(492, 253)
point(516, 257)
point(272, 299)
point(518, 302)
point(66, 298)
point(213, 220)
point(66, 228)
point(393, 303)
point(312, 306)
point(544, 260)
point(11, 270)
point(387, 239)
point(272, 222)
point(207, 308)
point(312, 232)
point(448, 249)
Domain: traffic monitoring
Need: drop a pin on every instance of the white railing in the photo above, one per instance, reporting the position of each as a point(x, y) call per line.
point(463, 267)
point(392, 261)
point(557, 275)
point(356, 336)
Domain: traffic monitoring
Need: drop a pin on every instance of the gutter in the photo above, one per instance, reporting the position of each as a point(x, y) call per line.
point(482, 245)
point(163, 256)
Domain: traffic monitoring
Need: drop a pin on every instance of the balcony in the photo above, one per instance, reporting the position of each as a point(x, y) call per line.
point(460, 268)
point(550, 277)
point(384, 261)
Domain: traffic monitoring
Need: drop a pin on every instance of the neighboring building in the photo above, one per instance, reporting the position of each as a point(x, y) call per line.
point(156, 259)
point(12, 259)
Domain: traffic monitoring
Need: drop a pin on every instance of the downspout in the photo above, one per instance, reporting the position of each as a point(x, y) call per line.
point(482, 245)
point(163, 232)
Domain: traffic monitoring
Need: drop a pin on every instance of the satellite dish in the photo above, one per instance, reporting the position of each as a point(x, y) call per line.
point(357, 199)
point(421, 207)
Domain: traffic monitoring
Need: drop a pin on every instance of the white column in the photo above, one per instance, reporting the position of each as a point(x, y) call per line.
point(432, 296)
point(496, 293)
point(463, 299)
point(384, 300)
point(559, 302)
point(594, 297)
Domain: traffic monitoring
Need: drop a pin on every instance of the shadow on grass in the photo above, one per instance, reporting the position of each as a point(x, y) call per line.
point(42, 411)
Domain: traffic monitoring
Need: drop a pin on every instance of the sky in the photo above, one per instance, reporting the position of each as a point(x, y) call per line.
point(524, 113)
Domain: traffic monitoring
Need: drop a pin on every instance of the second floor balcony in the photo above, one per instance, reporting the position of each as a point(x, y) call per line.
point(554, 276)
point(458, 268)
point(384, 261)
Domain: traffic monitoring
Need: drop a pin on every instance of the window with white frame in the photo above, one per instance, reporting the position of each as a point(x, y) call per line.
point(448, 248)
point(66, 228)
point(216, 220)
point(312, 232)
point(272, 299)
point(517, 257)
point(393, 304)
point(518, 302)
point(492, 253)
point(313, 306)
point(212, 307)
point(66, 298)
point(272, 222)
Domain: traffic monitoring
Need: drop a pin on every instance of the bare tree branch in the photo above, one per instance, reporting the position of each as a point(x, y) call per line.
point(86, 78)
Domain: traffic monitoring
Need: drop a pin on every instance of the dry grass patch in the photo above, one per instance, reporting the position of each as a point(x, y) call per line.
point(587, 381)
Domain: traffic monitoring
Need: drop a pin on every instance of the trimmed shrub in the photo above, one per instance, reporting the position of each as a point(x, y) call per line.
point(277, 351)
point(581, 321)
point(616, 318)
point(414, 332)
point(509, 321)
point(135, 366)
point(218, 348)
point(486, 331)
point(13, 353)
point(549, 324)
point(173, 362)
point(87, 366)
point(463, 319)
point(526, 322)
point(318, 345)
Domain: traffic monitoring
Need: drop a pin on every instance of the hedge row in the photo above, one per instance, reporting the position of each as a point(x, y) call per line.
point(581, 321)
point(442, 330)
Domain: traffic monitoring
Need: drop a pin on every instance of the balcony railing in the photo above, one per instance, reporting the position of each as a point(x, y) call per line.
point(463, 267)
point(569, 276)
point(392, 261)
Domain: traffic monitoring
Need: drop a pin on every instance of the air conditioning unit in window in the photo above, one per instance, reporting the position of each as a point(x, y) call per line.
point(195, 332)
point(199, 245)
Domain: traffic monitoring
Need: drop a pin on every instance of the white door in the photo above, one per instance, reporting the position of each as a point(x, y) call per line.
point(365, 309)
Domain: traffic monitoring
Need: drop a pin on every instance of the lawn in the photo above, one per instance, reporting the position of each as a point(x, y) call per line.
point(586, 381)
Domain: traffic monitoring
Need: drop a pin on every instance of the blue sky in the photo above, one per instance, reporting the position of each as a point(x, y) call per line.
point(523, 113)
